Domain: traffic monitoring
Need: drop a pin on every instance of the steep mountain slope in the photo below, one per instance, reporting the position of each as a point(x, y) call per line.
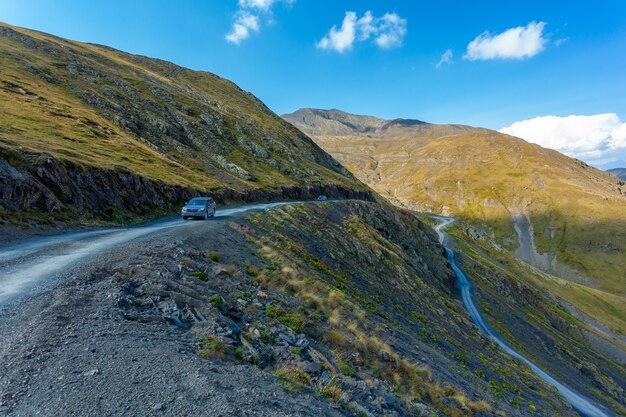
point(558, 213)
point(618, 172)
point(85, 128)
point(349, 305)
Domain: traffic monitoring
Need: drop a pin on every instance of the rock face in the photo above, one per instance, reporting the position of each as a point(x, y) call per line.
point(50, 187)
point(93, 129)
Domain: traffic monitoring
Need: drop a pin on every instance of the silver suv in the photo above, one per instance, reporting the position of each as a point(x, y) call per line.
point(202, 207)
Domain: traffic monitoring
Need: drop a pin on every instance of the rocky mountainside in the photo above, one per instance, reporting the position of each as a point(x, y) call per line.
point(350, 306)
point(564, 216)
point(89, 130)
point(618, 172)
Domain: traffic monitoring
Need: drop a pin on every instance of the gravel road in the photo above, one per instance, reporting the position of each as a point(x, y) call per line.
point(71, 345)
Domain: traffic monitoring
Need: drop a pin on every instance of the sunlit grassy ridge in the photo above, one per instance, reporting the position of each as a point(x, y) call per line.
point(100, 108)
point(484, 177)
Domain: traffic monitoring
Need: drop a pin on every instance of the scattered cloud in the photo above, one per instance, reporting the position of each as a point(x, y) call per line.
point(515, 43)
point(446, 58)
point(387, 32)
point(594, 139)
point(244, 24)
point(340, 39)
point(248, 20)
point(560, 41)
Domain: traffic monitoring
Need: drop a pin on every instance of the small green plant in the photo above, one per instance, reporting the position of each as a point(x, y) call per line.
point(271, 310)
point(211, 347)
point(418, 317)
point(293, 320)
point(296, 351)
point(217, 302)
point(137, 303)
point(460, 356)
point(293, 379)
point(214, 256)
point(267, 338)
point(238, 353)
point(332, 391)
point(200, 275)
point(480, 373)
point(345, 369)
point(251, 270)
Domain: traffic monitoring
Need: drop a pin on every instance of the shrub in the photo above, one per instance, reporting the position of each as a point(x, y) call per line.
point(332, 391)
point(293, 379)
point(238, 353)
point(251, 270)
point(211, 347)
point(216, 300)
point(137, 303)
point(214, 256)
point(337, 338)
point(345, 369)
point(293, 320)
point(200, 275)
point(296, 351)
point(267, 338)
point(418, 317)
point(271, 310)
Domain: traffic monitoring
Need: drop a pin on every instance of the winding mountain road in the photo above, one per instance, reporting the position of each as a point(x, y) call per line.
point(28, 268)
point(581, 404)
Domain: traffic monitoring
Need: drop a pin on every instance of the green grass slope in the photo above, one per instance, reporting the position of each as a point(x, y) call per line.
point(91, 107)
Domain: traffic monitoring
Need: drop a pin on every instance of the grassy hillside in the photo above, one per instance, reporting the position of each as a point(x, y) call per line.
point(577, 213)
point(369, 282)
point(93, 108)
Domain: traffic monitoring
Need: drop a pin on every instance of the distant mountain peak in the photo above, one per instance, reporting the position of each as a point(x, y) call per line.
point(334, 122)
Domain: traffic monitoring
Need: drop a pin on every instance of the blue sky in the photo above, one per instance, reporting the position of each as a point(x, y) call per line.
point(574, 67)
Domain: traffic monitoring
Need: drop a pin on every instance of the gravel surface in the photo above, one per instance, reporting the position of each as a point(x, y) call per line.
point(78, 349)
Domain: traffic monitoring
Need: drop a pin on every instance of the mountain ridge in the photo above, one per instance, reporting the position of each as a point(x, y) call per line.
point(576, 213)
point(100, 119)
point(618, 172)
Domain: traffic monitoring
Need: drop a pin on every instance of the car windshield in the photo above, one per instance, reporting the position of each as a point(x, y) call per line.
point(197, 201)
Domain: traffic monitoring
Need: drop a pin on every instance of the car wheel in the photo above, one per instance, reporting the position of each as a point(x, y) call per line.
point(185, 218)
point(213, 213)
point(206, 215)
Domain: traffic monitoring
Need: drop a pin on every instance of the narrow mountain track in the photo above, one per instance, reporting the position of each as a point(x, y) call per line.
point(28, 268)
point(581, 404)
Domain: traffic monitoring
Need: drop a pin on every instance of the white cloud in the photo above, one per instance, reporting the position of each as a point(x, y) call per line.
point(247, 18)
point(391, 31)
point(515, 43)
point(244, 24)
point(387, 31)
point(446, 58)
point(594, 139)
point(264, 5)
point(340, 39)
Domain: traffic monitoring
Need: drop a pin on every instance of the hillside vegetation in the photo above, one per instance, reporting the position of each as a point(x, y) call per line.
point(86, 127)
point(577, 213)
